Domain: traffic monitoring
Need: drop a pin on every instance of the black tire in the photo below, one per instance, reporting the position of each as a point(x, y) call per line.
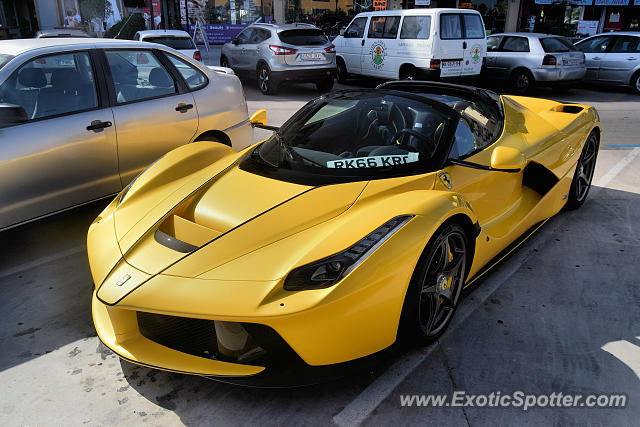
point(325, 85)
point(341, 71)
point(581, 183)
point(408, 73)
point(265, 82)
point(635, 83)
point(436, 285)
point(522, 81)
point(224, 62)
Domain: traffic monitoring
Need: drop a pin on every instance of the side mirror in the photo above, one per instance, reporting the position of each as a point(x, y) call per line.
point(507, 158)
point(259, 118)
point(235, 41)
point(342, 31)
point(11, 114)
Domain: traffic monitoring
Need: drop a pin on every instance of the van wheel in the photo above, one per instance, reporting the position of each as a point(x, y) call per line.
point(522, 81)
point(341, 72)
point(408, 73)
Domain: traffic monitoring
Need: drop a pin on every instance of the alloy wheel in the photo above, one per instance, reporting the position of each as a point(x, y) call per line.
point(586, 167)
point(263, 79)
point(442, 282)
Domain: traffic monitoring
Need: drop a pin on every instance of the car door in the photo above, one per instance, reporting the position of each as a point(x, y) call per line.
point(236, 58)
point(474, 45)
point(65, 154)
point(594, 49)
point(153, 111)
point(621, 60)
point(513, 52)
point(491, 63)
point(379, 56)
point(353, 44)
point(450, 46)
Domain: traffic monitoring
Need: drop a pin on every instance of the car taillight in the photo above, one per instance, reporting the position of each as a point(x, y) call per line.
point(435, 63)
point(330, 49)
point(197, 55)
point(549, 60)
point(281, 50)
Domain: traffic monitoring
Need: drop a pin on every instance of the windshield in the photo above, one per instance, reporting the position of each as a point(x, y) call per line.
point(367, 133)
point(303, 37)
point(178, 43)
point(4, 59)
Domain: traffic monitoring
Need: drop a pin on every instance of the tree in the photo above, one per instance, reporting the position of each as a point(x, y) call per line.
point(90, 9)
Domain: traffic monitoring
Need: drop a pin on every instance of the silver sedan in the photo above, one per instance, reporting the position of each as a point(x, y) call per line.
point(79, 118)
point(613, 58)
point(529, 59)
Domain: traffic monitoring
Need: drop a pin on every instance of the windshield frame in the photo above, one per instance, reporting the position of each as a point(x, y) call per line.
point(254, 163)
point(5, 58)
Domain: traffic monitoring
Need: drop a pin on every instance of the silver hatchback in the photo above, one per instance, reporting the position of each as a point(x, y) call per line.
point(527, 59)
point(275, 54)
point(613, 58)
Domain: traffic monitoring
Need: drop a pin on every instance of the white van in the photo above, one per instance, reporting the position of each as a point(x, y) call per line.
point(412, 44)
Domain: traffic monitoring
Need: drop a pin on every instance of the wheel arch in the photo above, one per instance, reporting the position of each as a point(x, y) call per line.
point(216, 135)
point(405, 66)
point(260, 63)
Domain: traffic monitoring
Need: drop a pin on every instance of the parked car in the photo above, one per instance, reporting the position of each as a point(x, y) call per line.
point(613, 58)
point(357, 225)
point(66, 33)
point(179, 40)
point(279, 53)
point(411, 44)
point(529, 59)
point(79, 119)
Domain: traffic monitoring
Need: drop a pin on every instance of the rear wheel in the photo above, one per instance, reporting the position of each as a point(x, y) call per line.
point(324, 85)
point(435, 287)
point(408, 73)
point(265, 83)
point(583, 175)
point(522, 81)
point(635, 83)
point(341, 71)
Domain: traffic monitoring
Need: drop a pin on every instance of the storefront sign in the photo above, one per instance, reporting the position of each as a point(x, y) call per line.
point(573, 2)
point(379, 4)
point(587, 27)
point(611, 2)
point(220, 33)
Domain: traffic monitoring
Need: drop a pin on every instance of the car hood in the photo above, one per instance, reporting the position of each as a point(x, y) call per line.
point(216, 219)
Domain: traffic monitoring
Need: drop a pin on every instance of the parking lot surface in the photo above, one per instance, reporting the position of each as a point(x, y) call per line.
point(561, 314)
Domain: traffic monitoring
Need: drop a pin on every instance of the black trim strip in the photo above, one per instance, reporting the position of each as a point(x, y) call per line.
point(173, 243)
point(479, 166)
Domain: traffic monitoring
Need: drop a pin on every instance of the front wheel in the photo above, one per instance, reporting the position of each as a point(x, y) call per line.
point(435, 287)
point(522, 82)
point(635, 83)
point(341, 71)
point(265, 82)
point(583, 175)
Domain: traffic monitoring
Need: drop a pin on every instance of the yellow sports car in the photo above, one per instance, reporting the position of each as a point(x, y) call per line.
point(356, 225)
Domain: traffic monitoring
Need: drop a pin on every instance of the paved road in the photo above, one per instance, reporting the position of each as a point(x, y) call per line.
point(562, 314)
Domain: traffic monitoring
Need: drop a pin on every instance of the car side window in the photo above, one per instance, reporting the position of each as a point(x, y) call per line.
point(52, 85)
point(595, 44)
point(450, 26)
point(258, 36)
point(138, 75)
point(464, 142)
point(493, 43)
point(384, 27)
point(473, 28)
point(356, 29)
point(195, 78)
point(625, 44)
point(245, 35)
point(415, 27)
point(515, 44)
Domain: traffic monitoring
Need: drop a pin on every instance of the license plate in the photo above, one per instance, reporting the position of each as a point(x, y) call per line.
point(312, 56)
point(570, 62)
point(450, 64)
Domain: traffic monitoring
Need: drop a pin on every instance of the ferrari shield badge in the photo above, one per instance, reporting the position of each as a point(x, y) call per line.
point(445, 178)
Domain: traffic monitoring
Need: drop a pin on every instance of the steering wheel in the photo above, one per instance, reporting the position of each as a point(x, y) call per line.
point(420, 136)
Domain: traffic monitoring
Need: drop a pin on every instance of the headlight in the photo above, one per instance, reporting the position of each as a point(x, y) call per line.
point(128, 187)
point(328, 271)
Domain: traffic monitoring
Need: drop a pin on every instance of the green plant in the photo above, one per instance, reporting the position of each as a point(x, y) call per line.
point(126, 28)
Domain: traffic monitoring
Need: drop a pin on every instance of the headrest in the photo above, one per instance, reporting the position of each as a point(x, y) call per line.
point(32, 77)
point(159, 77)
point(64, 78)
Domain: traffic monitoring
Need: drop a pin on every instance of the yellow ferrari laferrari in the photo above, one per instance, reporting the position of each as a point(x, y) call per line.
point(356, 225)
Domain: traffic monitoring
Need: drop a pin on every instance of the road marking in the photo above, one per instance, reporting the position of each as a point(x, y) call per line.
point(371, 397)
point(626, 352)
point(623, 145)
point(43, 260)
point(605, 179)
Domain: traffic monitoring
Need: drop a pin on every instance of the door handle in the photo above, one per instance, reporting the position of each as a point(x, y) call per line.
point(596, 58)
point(464, 45)
point(362, 44)
point(98, 124)
point(182, 107)
point(631, 58)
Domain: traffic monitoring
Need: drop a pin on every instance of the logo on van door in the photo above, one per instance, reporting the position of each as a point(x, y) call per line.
point(475, 53)
point(377, 52)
